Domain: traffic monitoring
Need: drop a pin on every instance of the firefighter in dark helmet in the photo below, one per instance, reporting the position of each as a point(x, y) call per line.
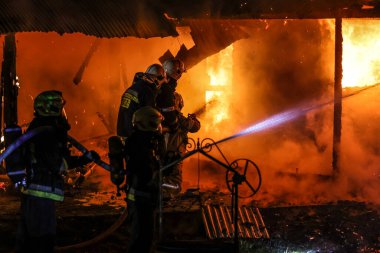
point(47, 157)
point(142, 92)
point(143, 149)
point(176, 126)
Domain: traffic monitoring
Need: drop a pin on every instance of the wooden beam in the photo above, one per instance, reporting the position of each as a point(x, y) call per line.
point(337, 96)
point(273, 9)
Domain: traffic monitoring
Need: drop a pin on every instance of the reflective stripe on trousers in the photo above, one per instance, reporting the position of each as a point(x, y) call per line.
point(132, 194)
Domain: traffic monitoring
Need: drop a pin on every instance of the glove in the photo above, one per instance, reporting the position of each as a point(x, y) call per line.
point(193, 123)
point(93, 156)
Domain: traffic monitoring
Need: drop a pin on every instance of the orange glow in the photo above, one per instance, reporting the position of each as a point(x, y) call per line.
point(361, 54)
point(219, 69)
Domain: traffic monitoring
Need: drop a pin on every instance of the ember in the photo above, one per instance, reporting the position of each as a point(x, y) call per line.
point(3, 186)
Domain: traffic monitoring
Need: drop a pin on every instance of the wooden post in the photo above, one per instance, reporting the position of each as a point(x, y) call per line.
point(337, 96)
point(9, 82)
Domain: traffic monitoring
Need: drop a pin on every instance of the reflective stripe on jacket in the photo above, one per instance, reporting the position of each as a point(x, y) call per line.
point(53, 192)
point(43, 194)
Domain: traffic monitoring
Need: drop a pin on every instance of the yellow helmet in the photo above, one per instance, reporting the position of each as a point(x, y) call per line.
point(147, 119)
point(49, 103)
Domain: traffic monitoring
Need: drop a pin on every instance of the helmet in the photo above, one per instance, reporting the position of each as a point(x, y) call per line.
point(179, 104)
point(157, 73)
point(174, 68)
point(147, 119)
point(49, 103)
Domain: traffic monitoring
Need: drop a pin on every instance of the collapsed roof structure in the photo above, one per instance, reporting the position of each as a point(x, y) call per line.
point(149, 18)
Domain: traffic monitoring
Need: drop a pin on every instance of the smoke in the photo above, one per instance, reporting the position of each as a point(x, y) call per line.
point(286, 66)
point(50, 61)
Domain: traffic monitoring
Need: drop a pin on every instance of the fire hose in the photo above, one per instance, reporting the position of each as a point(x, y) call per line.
point(113, 227)
point(40, 130)
point(24, 138)
point(98, 238)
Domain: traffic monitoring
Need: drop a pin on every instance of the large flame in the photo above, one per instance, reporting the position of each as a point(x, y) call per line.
point(219, 69)
point(361, 54)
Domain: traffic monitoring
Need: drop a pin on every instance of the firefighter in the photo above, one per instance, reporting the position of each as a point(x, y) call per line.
point(142, 92)
point(47, 157)
point(143, 148)
point(175, 125)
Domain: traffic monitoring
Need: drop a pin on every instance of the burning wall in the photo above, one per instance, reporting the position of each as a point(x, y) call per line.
point(287, 65)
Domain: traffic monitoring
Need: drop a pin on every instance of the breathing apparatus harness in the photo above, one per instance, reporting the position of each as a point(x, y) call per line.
point(14, 154)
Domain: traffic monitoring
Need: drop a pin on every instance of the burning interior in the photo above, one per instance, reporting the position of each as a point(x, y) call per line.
point(240, 73)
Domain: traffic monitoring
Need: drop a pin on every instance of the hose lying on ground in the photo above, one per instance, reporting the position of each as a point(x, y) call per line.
point(98, 238)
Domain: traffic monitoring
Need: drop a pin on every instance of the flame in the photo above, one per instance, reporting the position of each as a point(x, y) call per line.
point(361, 54)
point(221, 112)
point(219, 69)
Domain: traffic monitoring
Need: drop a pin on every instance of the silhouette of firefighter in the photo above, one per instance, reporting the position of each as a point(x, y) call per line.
point(142, 92)
point(175, 126)
point(143, 149)
point(46, 159)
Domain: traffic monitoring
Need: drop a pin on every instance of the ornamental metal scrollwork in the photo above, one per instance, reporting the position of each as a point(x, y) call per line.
point(207, 144)
point(191, 144)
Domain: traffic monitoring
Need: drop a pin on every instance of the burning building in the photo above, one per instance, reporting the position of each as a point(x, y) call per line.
point(294, 85)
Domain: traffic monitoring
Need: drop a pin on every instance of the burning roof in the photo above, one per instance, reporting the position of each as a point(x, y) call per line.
point(275, 9)
point(91, 17)
point(148, 18)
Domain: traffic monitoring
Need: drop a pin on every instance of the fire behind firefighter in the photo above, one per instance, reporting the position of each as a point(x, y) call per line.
point(175, 126)
point(143, 149)
point(142, 92)
point(46, 159)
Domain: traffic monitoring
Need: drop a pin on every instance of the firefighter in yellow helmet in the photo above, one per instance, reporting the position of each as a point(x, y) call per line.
point(47, 157)
point(142, 92)
point(176, 125)
point(143, 149)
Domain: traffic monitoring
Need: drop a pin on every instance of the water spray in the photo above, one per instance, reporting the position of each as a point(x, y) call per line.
point(287, 116)
point(271, 122)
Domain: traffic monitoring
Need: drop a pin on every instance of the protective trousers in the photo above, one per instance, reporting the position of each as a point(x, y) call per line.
point(141, 226)
point(37, 227)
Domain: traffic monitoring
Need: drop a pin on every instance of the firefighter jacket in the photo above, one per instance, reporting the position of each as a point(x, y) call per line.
point(143, 150)
point(142, 92)
point(175, 127)
point(166, 103)
point(47, 158)
point(176, 140)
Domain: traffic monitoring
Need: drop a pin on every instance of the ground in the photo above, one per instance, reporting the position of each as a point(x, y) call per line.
point(332, 227)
